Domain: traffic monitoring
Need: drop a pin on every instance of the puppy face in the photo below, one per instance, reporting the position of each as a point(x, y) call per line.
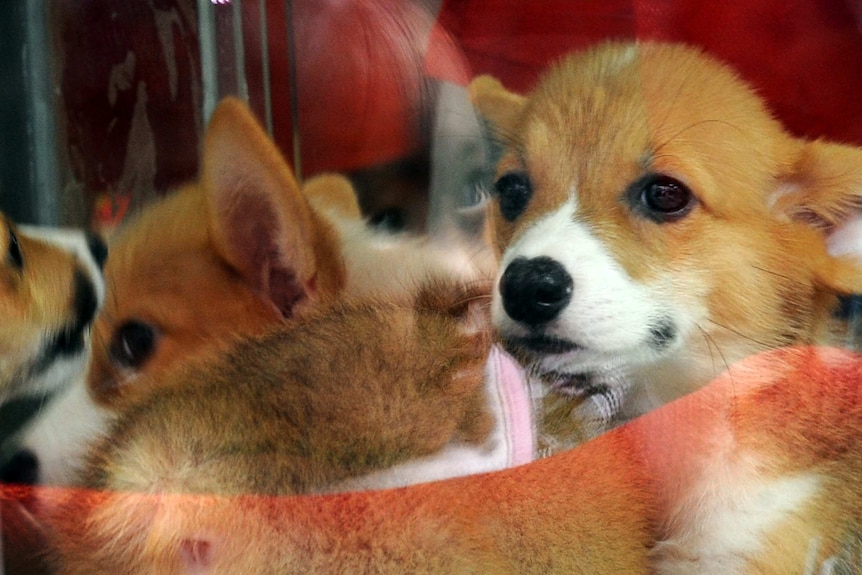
point(235, 253)
point(50, 289)
point(656, 223)
point(170, 294)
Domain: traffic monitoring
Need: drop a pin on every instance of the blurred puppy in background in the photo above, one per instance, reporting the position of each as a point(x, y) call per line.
point(51, 286)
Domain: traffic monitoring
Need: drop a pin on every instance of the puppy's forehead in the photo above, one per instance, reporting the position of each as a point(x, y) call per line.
point(582, 138)
point(599, 121)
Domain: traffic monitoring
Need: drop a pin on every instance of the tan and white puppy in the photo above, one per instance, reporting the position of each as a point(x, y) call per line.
point(51, 287)
point(238, 253)
point(657, 225)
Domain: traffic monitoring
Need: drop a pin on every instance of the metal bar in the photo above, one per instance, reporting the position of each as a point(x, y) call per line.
point(239, 50)
point(45, 172)
point(294, 91)
point(264, 63)
point(209, 57)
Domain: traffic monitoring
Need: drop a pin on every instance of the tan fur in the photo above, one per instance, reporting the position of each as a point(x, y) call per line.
point(789, 414)
point(40, 301)
point(330, 192)
point(634, 500)
point(317, 419)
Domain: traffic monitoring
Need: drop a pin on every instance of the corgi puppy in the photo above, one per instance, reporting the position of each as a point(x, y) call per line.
point(50, 289)
point(657, 225)
point(757, 472)
point(241, 251)
point(237, 252)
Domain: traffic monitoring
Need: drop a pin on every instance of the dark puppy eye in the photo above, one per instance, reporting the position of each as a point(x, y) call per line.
point(663, 198)
point(391, 220)
point(513, 191)
point(14, 250)
point(133, 344)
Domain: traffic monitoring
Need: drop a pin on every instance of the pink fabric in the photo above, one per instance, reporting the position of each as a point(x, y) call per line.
point(513, 397)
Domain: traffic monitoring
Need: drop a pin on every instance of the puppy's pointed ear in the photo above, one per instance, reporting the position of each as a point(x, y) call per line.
point(333, 193)
point(823, 189)
point(259, 220)
point(495, 104)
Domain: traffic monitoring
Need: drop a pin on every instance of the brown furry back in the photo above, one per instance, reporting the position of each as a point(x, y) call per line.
point(356, 388)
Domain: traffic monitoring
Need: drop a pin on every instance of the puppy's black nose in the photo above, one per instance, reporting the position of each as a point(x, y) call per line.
point(535, 291)
point(22, 468)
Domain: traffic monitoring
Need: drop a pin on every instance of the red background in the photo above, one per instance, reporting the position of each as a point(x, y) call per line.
point(364, 66)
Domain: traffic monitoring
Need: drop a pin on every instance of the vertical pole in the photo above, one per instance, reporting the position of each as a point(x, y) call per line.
point(46, 187)
point(294, 91)
point(209, 58)
point(264, 63)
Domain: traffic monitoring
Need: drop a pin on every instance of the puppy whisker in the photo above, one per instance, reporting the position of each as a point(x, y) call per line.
point(714, 348)
point(763, 344)
point(781, 276)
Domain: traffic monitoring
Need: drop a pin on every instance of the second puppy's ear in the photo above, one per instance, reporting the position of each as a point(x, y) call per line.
point(259, 220)
point(498, 106)
point(333, 193)
point(823, 189)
